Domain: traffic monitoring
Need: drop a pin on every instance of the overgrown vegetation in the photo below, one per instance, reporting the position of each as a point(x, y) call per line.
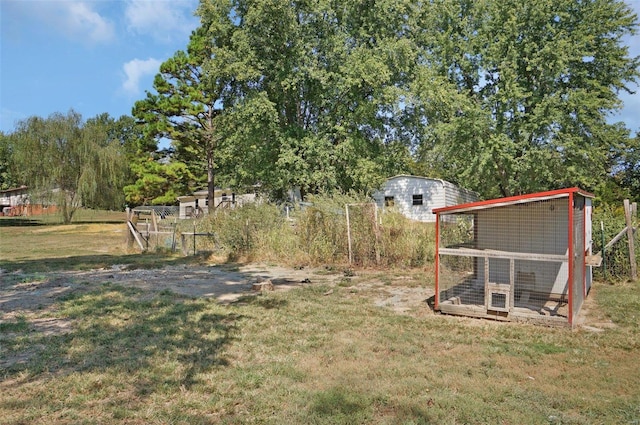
point(317, 234)
point(616, 259)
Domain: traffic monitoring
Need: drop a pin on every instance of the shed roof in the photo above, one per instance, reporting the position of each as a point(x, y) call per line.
point(512, 200)
point(407, 176)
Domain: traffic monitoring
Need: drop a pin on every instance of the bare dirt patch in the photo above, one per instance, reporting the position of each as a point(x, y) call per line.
point(22, 293)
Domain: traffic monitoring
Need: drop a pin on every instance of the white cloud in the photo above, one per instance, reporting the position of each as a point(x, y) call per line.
point(135, 70)
point(81, 19)
point(163, 20)
point(78, 20)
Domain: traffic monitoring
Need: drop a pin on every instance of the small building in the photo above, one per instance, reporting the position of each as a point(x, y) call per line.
point(416, 197)
point(518, 258)
point(197, 204)
point(13, 199)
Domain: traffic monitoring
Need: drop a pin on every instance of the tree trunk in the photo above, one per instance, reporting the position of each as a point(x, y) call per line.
point(210, 147)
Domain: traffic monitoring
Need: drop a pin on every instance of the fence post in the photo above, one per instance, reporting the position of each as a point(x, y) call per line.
point(346, 207)
point(130, 238)
point(632, 253)
point(604, 249)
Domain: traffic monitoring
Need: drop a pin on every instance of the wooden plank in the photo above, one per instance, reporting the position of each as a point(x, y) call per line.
point(183, 243)
point(154, 221)
point(617, 237)
point(348, 234)
point(135, 234)
point(490, 253)
point(486, 282)
point(594, 260)
point(470, 311)
point(512, 282)
point(632, 252)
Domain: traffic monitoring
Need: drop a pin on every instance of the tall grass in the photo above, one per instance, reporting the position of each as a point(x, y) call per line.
point(318, 234)
point(616, 259)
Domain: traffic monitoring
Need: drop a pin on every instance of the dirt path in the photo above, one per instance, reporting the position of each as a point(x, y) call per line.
point(20, 293)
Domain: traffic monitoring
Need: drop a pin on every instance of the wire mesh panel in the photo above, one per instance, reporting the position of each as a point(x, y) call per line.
point(459, 282)
point(507, 260)
point(578, 255)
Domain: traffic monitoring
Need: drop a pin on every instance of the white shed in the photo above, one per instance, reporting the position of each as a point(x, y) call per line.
point(416, 197)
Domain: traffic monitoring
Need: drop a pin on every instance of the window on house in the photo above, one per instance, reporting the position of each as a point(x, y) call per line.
point(417, 199)
point(388, 201)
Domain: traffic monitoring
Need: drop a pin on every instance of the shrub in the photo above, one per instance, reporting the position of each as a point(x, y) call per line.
point(317, 234)
point(616, 259)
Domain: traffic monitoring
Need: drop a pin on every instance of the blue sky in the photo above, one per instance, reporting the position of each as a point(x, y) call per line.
point(101, 55)
point(92, 56)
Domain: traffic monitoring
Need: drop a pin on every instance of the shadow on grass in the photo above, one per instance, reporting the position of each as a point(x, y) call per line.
point(18, 222)
point(154, 341)
point(268, 303)
point(89, 262)
point(339, 405)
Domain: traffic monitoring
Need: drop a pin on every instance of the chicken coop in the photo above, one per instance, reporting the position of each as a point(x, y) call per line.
point(517, 258)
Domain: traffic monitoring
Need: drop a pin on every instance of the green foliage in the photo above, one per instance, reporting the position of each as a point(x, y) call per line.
point(187, 105)
point(322, 229)
point(628, 173)
point(317, 234)
point(314, 91)
point(242, 231)
point(539, 79)
point(158, 182)
point(406, 243)
point(8, 173)
point(616, 258)
point(69, 163)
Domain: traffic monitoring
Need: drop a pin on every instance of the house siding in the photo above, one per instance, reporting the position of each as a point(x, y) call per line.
point(435, 194)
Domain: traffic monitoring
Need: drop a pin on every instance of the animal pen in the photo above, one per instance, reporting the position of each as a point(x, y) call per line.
point(517, 258)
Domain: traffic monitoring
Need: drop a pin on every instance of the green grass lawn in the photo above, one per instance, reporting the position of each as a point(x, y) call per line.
point(305, 356)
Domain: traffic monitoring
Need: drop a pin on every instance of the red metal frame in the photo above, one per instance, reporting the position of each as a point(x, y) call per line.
point(570, 260)
point(584, 245)
point(513, 200)
point(437, 294)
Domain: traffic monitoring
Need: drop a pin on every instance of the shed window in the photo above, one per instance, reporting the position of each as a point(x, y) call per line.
point(417, 199)
point(389, 201)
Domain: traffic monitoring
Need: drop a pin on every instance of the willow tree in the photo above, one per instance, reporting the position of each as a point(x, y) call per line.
point(64, 162)
point(186, 104)
point(7, 172)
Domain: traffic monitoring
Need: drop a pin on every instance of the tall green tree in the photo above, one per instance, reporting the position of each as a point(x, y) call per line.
point(537, 81)
point(120, 139)
point(316, 88)
point(503, 97)
point(186, 105)
point(628, 169)
point(60, 159)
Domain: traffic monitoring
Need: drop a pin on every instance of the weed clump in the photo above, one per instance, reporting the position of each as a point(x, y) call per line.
point(329, 230)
